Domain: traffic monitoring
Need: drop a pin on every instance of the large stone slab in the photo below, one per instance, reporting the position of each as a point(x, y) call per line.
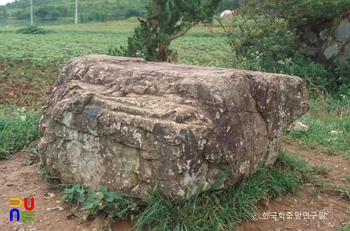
point(130, 124)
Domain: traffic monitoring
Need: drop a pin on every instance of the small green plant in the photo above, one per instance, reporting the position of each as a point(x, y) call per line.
point(4, 154)
point(35, 30)
point(320, 169)
point(345, 228)
point(50, 180)
point(347, 177)
point(74, 194)
point(109, 204)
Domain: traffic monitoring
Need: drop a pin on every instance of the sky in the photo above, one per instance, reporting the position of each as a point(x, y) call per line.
point(3, 2)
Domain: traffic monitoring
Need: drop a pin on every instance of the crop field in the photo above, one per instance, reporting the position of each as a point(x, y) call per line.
point(31, 63)
point(21, 54)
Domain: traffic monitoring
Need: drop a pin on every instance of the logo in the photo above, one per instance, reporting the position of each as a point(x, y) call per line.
point(26, 216)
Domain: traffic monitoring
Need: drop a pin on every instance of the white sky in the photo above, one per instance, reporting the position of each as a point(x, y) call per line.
point(3, 2)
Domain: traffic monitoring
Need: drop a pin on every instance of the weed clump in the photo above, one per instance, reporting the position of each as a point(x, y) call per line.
point(35, 30)
point(102, 202)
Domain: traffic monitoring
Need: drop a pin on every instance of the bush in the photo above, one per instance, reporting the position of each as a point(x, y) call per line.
point(35, 30)
point(264, 38)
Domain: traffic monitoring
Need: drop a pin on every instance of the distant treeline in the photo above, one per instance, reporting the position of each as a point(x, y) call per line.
point(88, 10)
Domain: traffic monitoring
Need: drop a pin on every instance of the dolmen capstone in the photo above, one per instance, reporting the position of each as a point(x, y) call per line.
point(130, 125)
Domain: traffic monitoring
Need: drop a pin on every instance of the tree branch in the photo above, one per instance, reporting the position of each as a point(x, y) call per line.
point(182, 33)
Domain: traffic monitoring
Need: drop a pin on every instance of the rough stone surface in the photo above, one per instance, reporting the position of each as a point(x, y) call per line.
point(129, 124)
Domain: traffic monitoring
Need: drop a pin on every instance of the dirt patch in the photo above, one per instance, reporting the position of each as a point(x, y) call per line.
point(318, 209)
point(312, 208)
point(25, 84)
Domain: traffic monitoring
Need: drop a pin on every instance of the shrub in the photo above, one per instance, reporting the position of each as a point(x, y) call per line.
point(35, 30)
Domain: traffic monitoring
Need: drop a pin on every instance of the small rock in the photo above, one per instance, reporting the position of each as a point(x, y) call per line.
point(48, 209)
point(278, 199)
point(58, 202)
point(52, 195)
point(295, 200)
point(33, 229)
point(94, 229)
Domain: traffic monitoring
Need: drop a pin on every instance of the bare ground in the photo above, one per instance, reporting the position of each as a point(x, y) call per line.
point(320, 209)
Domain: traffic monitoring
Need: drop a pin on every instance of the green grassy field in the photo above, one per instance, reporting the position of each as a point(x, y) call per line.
point(30, 65)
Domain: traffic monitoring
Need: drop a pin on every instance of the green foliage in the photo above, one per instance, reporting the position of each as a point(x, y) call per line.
point(165, 21)
point(35, 30)
point(50, 180)
point(320, 169)
point(342, 190)
point(51, 12)
point(74, 194)
point(4, 154)
point(223, 209)
point(17, 130)
point(260, 40)
point(345, 228)
point(264, 38)
point(109, 204)
point(347, 177)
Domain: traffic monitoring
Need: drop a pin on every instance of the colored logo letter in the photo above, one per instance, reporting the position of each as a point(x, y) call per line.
point(31, 204)
point(14, 205)
point(27, 219)
point(17, 214)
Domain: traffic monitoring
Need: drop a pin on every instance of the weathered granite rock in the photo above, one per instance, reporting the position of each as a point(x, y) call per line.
point(130, 124)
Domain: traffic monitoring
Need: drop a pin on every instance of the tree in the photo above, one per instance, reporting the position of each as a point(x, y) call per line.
point(267, 31)
point(3, 14)
point(42, 13)
point(165, 21)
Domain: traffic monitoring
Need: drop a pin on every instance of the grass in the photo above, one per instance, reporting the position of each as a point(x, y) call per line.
point(329, 132)
point(18, 129)
point(320, 169)
point(345, 228)
point(347, 177)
